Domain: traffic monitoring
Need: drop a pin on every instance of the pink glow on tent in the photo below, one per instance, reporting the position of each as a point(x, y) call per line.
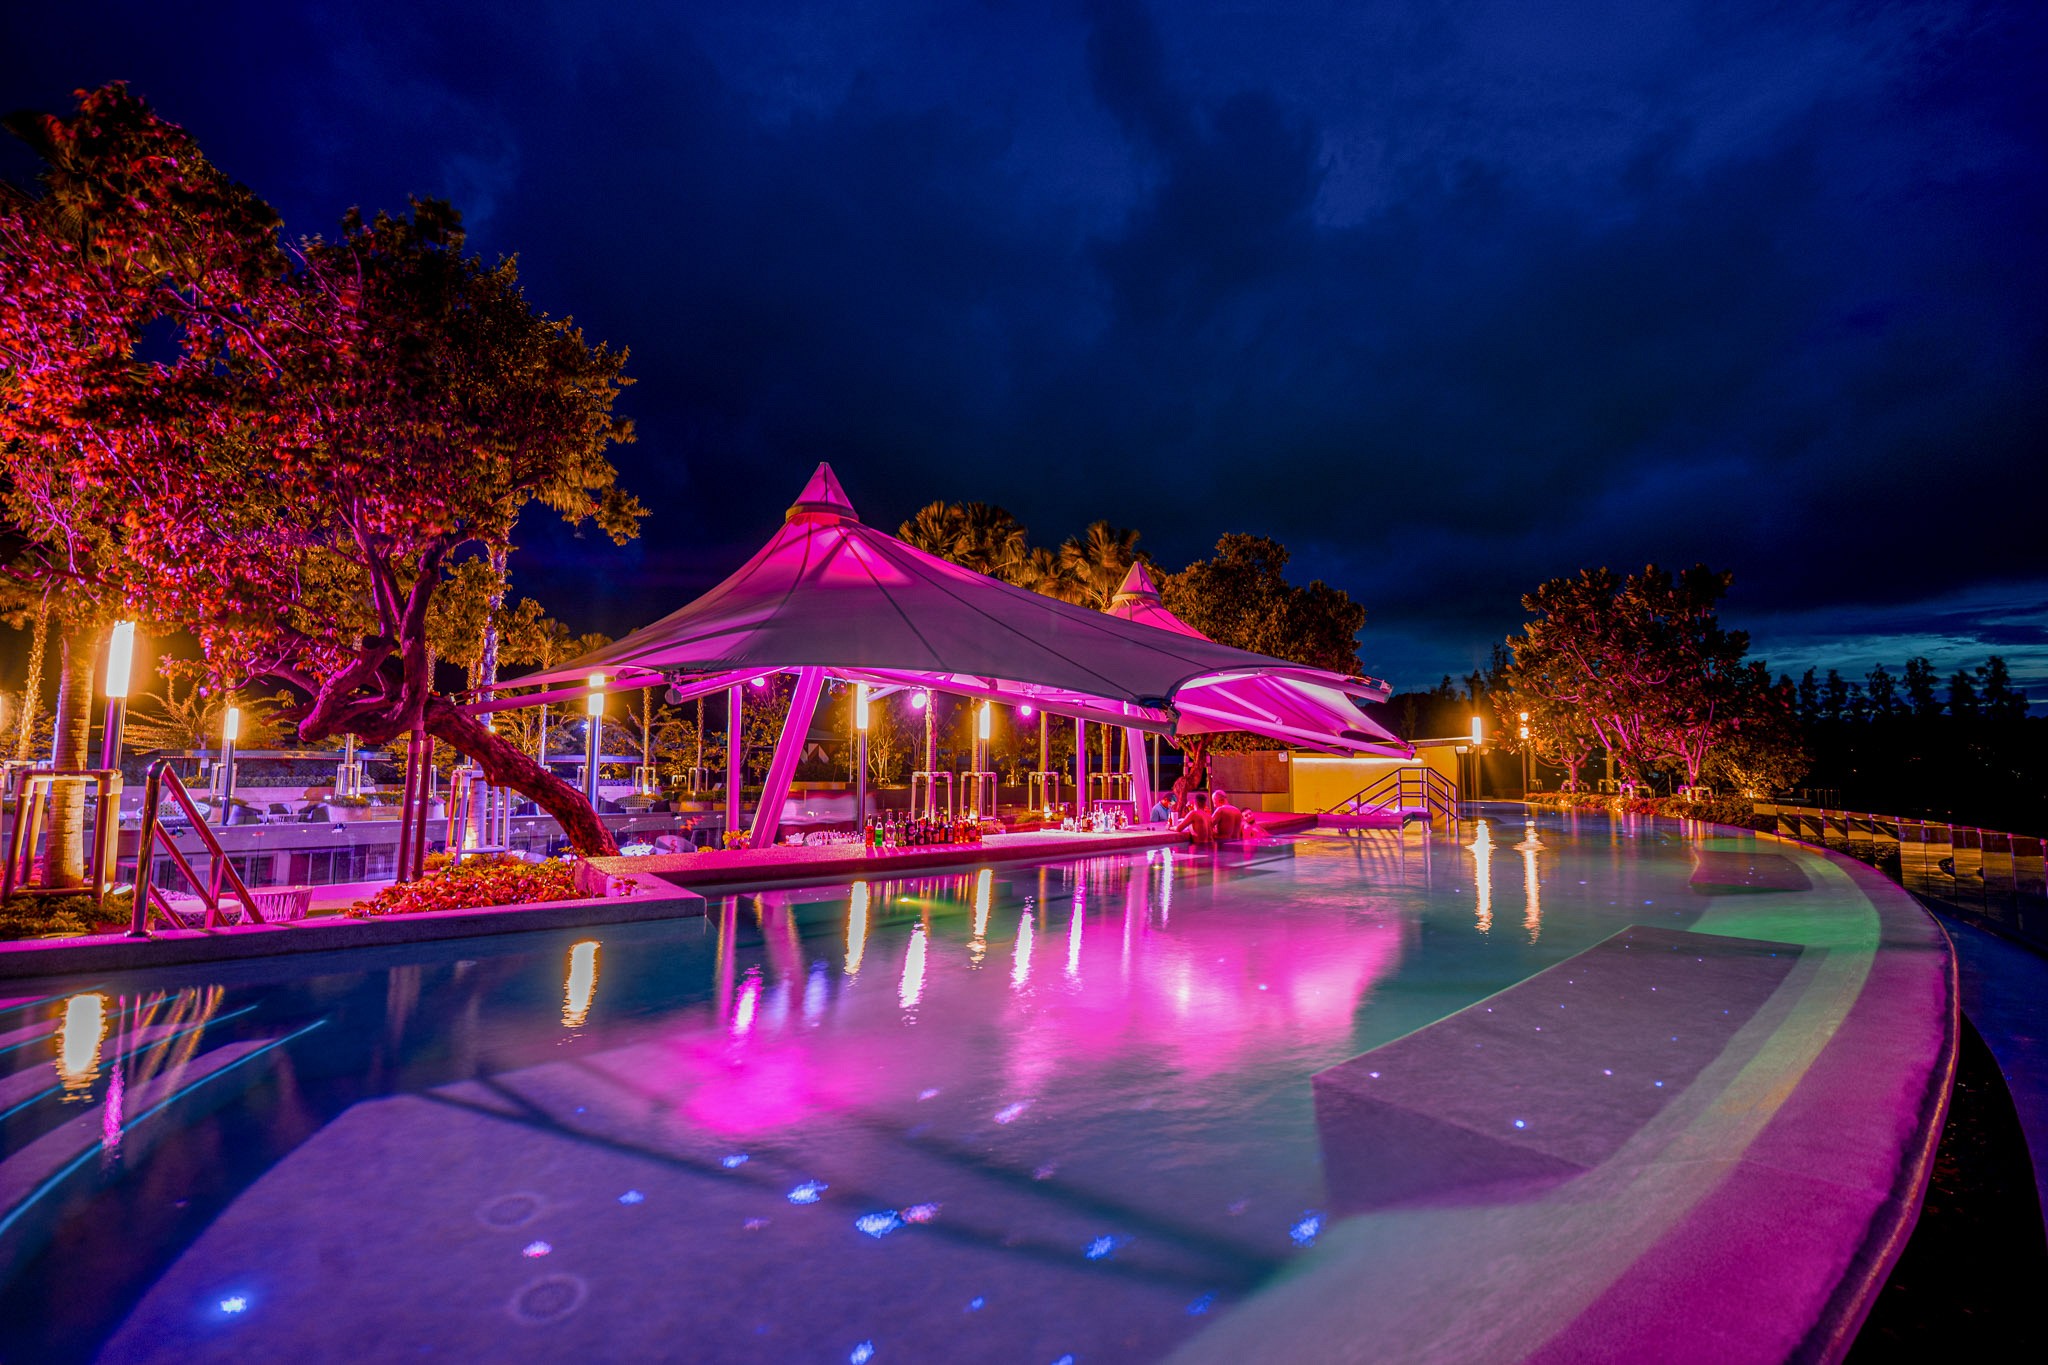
point(1305, 707)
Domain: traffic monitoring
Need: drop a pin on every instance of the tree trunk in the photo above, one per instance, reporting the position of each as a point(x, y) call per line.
point(64, 849)
point(32, 690)
point(504, 765)
point(487, 668)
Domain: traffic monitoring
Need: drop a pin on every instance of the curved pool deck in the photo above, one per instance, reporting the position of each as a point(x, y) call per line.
point(1752, 1220)
point(1698, 1133)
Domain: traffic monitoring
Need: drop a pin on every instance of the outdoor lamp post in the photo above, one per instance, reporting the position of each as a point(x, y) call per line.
point(1526, 766)
point(1478, 772)
point(593, 737)
point(230, 731)
point(860, 758)
point(120, 664)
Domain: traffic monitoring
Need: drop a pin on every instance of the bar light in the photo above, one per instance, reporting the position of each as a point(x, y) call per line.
point(594, 704)
point(120, 659)
point(860, 707)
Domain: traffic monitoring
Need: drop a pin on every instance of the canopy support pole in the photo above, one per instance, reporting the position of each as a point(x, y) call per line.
point(803, 705)
point(1080, 767)
point(735, 722)
point(1141, 783)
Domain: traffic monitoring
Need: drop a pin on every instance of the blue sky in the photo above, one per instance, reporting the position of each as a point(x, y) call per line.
point(1449, 298)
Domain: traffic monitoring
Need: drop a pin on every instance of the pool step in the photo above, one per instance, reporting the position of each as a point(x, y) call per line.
point(1546, 1079)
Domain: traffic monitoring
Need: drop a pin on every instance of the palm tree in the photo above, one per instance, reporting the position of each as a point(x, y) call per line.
point(1097, 561)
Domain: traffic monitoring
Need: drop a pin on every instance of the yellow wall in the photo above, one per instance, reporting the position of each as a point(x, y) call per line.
point(1316, 782)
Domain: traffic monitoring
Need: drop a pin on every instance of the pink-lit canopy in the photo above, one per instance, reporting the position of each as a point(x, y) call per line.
point(831, 593)
point(1295, 707)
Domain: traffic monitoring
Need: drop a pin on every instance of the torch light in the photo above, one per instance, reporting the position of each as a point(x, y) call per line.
point(230, 731)
point(593, 737)
point(120, 668)
point(860, 758)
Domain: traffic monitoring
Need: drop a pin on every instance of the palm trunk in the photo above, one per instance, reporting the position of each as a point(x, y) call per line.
point(32, 690)
point(487, 667)
point(64, 852)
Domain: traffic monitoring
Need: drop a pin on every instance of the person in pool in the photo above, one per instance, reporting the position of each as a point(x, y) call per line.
point(1228, 820)
point(1195, 822)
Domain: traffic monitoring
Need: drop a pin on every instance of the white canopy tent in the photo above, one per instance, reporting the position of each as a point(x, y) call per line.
point(829, 595)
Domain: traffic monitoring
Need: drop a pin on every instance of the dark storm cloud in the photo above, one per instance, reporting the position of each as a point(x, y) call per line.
point(1450, 301)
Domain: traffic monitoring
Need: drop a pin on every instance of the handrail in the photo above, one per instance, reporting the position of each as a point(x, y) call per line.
point(1402, 790)
point(28, 819)
point(145, 863)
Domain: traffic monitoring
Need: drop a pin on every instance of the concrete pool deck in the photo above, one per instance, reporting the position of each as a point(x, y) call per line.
point(1754, 1217)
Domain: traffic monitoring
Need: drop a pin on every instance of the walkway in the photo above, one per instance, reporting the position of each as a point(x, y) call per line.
point(2004, 988)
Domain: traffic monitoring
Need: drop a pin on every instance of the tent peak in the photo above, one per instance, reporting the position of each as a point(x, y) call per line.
point(822, 496)
point(1137, 586)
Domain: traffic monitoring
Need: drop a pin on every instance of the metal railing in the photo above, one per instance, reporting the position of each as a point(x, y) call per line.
point(1403, 792)
point(150, 897)
point(1986, 876)
point(32, 790)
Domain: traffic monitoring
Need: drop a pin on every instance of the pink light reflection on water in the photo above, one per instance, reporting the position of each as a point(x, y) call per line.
point(1232, 983)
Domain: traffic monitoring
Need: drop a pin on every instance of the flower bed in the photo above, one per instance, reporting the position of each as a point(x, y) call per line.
point(475, 883)
point(1724, 810)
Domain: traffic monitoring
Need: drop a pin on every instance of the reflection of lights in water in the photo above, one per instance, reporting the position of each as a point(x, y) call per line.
point(78, 1042)
point(750, 997)
point(862, 1354)
point(1020, 969)
point(111, 1113)
point(913, 969)
point(1532, 915)
point(920, 1213)
point(856, 928)
point(235, 1303)
point(1074, 946)
point(984, 891)
point(1306, 1231)
point(1166, 886)
point(1010, 1113)
point(808, 1192)
point(1101, 1247)
point(733, 1162)
point(814, 994)
point(533, 1251)
point(581, 985)
point(631, 1197)
point(1482, 872)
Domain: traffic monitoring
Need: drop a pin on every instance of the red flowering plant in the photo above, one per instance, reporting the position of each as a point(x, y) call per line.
point(285, 448)
point(477, 881)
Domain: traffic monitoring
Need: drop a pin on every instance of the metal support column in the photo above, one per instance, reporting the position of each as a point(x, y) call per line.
point(796, 730)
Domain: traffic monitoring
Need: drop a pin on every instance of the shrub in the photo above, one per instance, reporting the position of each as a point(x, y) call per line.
point(483, 880)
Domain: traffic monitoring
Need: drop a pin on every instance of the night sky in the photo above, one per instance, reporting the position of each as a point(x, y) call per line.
point(1450, 298)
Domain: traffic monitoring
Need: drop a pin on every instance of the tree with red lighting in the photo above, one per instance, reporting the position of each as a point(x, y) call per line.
point(1643, 659)
point(286, 448)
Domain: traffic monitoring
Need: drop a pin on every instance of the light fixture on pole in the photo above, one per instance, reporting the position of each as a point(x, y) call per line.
point(230, 731)
point(860, 760)
point(1478, 772)
point(1526, 767)
point(593, 737)
point(120, 668)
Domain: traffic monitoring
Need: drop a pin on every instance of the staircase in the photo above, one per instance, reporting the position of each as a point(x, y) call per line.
point(1405, 794)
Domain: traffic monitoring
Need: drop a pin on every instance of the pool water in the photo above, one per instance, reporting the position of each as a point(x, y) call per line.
point(1014, 1113)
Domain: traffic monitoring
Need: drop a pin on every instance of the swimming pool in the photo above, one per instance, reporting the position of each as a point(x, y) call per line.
point(1004, 1114)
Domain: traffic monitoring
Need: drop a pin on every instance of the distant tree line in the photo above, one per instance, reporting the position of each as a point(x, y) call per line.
point(1637, 671)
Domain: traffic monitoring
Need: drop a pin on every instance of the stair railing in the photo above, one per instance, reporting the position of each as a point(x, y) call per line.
point(148, 895)
point(1403, 791)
